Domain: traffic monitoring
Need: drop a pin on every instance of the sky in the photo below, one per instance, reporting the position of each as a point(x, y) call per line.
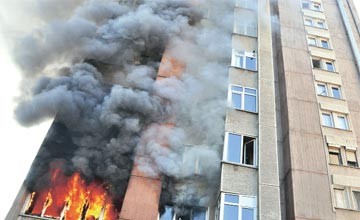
point(19, 145)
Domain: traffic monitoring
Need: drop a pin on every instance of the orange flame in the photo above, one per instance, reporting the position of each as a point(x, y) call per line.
point(71, 198)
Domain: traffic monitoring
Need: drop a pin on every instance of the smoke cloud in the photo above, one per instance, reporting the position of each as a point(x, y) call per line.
point(94, 64)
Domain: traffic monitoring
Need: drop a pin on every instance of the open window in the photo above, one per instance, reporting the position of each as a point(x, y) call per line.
point(192, 213)
point(240, 149)
point(341, 198)
point(244, 60)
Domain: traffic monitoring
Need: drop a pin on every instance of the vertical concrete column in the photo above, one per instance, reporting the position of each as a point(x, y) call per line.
point(269, 186)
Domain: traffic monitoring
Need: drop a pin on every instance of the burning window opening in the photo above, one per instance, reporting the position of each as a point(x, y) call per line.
point(71, 198)
point(189, 213)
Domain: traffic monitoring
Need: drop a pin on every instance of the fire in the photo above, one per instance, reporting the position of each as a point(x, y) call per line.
point(71, 198)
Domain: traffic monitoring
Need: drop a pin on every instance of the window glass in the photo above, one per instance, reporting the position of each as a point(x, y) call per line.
point(330, 66)
point(351, 158)
point(316, 63)
point(168, 214)
point(305, 5)
point(231, 212)
point(234, 146)
point(199, 214)
point(251, 63)
point(247, 214)
point(335, 156)
point(325, 44)
point(342, 123)
point(237, 88)
point(340, 198)
point(239, 61)
point(308, 22)
point(357, 199)
point(231, 198)
point(321, 90)
point(251, 91)
point(312, 41)
point(250, 103)
point(327, 121)
point(317, 7)
point(336, 92)
point(321, 24)
point(236, 100)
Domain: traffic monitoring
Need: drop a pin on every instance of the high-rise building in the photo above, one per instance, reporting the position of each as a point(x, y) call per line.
point(290, 133)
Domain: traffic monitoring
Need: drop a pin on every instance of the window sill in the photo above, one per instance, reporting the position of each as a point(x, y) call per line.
point(239, 164)
point(331, 97)
point(348, 209)
point(245, 35)
point(316, 27)
point(348, 130)
point(344, 166)
point(236, 67)
point(326, 70)
point(309, 9)
point(242, 110)
point(316, 46)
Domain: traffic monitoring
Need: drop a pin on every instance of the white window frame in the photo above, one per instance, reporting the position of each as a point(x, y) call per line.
point(247, 202)
point(311, 5)
point(321, 43)
point(334, 117)
point(346, 197)
point(325, 62)
point(331, 119)
point(243, 95)
point(332, 92)
point(244, 54)
point(326, 89)
point(310, 38)
point(329, 90)
point(345, 120)
point(355, 202)
point(315, 22)
point(225, 151)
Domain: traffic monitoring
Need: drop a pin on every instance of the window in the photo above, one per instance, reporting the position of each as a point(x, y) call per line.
point(305, 5)
point(312, 41)
point(325, 44)
point(240, 149)
point(335, 156)
point(321, 24)
point(330, 66)
point(243, 98)
point(192, 213)
point(351, 158)
point(327, 120)
point(342, 123)
point(316, 6)
point(249, 4)
point(308, 22)
point(336, 92)
point(245, 60)
point(321, 89)
point(237, 207)
point(356, 195)
point(316, 63)
point(341, 198)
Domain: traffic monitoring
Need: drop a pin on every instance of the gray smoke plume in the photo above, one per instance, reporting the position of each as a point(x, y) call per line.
point(88, 46)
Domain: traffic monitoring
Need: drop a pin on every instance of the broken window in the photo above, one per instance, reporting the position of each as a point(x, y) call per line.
point(237, 207)
point(351, 158)
point(192, 213)
point(244, 60)
point(240, 149)
point(335, 156)
point(316, 63)
point(243, 98)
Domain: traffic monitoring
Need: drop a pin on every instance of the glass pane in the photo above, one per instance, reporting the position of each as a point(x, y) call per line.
point(250, 103)
point(199, 214)
point(251, 63)
point(236, 101)
point(231, 212)
point(357, 199)
point(168, 214)
point(321, 90)
point(342, 122)
point(308, 22)
point(247, 214)
point(330, 66)
point(237, 88)
point(239, 62)
point(231, 198)
point(306, 5)
point(312, 41)
point(325, 44)
point(327, 120)
point(321, 24)
point(340, 198)
point(336, 93)
point(251, 91)
point(234, 145)
point(317, 7)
